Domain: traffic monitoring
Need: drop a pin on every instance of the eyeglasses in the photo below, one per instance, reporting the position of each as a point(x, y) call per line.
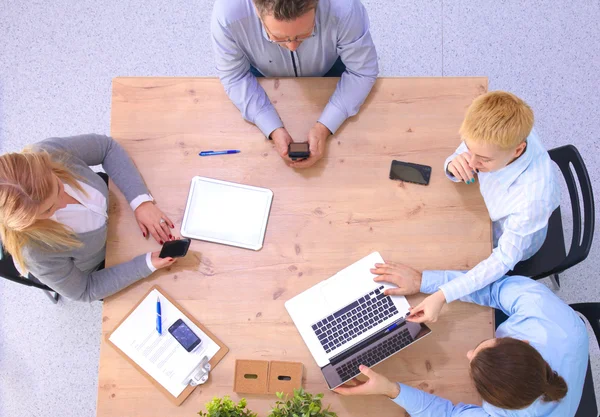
point(300, 38)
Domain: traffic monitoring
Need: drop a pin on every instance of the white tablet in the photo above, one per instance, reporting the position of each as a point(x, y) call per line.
point(226, 212)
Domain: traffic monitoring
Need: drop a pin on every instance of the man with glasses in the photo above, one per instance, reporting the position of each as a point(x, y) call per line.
point(294, 38)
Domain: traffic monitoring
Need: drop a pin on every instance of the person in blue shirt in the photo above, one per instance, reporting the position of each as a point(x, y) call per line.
point(294, 38)
point(535, 366)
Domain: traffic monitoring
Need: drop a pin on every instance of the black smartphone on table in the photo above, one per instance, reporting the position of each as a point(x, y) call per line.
point(184, 335)
point(415, 173)
point(298, 151)
point(175, 248)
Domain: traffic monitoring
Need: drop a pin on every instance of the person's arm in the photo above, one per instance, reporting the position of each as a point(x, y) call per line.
point(357, 51)
point(421, 404)
point(240, 85)
point(103, 150)
point(61, 274)
point(518, 234)
point(511, 294)
point(462, 148)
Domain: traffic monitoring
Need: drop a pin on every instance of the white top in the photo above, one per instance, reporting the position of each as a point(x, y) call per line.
point(92, 212)
point(520, 199)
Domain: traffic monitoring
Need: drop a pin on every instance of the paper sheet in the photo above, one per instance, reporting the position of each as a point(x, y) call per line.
point(161, 356)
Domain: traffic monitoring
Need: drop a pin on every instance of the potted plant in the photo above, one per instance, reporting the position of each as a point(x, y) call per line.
point(224, 407)
point(302, 404)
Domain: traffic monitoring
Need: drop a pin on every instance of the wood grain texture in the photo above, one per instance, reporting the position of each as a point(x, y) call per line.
point(322, 220)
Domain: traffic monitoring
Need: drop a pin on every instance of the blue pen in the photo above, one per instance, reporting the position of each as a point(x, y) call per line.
point(211, 153)
point(158, 317)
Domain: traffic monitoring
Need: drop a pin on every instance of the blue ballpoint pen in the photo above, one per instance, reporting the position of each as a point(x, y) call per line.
point(158, 317)
point(211, 153)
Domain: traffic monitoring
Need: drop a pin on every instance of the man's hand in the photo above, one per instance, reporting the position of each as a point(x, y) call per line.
point(282, 139)
point(317, 138)
point(429, 309)
point(376, 385)
point(404, 277)
point(461, 169)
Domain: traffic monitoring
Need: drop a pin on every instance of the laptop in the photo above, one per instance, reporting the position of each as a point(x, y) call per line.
point(347, 321)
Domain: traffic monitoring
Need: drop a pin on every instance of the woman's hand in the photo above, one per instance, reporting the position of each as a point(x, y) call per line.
point(429, 309)
point(376, 385)
point(461, 168)
point(160, 263)
point(153, 221)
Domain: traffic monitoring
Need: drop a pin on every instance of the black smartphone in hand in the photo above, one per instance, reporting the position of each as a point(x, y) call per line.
point(175, 248)
point(415, 173)
point(298, 151)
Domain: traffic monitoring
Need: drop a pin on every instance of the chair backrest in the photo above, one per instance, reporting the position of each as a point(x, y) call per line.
point(9, 272)
point(583, 222)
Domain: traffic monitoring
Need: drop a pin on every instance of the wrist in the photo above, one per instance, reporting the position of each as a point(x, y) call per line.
point(393, 390)
point(439, 294)
point(323, 129)
point(276, 133)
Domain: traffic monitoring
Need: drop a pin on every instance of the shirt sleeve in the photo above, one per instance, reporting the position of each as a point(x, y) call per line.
point(149, 262)
point(136, 202)
point(462, 148)
point(62, 275)
point(103, 150)
point(421, 404)
point(517, 237)
point(240, 85)
point(357, 51)
point(511, 294)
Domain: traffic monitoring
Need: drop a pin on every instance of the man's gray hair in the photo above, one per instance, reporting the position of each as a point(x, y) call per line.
point(285, 9)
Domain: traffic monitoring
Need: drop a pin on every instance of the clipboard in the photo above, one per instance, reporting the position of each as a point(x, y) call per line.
point(213, 362)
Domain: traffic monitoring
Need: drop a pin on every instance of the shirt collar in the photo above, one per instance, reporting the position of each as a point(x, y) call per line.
point(509, 174)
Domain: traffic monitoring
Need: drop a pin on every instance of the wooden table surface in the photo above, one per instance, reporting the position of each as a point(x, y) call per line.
point(322, 220)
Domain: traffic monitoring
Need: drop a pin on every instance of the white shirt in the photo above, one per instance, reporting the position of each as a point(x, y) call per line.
point(520, 199)
point(92, 212)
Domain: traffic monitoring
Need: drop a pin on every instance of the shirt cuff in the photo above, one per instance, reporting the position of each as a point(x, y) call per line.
point(332, 118)
point(149, 262)
point(431, 281)
point(451, 291)
point(448, 174)
point(136, 202)
point(268, 121)
point(406, 398)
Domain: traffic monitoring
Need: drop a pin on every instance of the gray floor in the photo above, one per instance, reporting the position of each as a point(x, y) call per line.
point(57, 59)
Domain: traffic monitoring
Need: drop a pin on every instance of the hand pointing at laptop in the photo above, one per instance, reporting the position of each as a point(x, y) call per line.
point(408, 281)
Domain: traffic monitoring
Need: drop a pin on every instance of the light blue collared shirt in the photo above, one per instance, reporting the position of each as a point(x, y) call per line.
point(341, 30)
point(520, 199)
point(535, 314)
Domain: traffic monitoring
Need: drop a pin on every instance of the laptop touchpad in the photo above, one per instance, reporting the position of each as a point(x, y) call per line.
point(338, 293)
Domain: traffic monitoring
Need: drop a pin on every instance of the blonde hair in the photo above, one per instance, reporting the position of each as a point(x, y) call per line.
point(26, 181)
point(499, 118)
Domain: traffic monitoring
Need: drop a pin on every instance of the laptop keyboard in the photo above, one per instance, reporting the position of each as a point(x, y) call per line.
point(375, 355)
point(354, 319)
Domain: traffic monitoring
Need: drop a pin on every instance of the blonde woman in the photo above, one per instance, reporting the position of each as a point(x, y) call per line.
point(53, 214)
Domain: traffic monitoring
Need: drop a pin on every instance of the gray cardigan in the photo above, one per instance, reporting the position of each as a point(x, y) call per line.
point(73, 273)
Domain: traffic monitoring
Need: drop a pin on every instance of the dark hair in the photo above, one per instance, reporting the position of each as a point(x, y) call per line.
point(285, 9)
point(512, 375)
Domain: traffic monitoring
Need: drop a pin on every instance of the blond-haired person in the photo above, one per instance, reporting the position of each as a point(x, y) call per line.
point(53, 214)
point(516, 177)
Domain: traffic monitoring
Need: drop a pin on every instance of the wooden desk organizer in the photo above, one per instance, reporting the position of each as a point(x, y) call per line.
point(264, 377)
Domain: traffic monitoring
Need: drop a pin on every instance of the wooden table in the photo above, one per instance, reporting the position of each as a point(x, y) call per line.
point(322, 220)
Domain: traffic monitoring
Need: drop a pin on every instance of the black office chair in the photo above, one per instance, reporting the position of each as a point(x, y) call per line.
point(587, 405)
point(552, 258)
point(9, 272)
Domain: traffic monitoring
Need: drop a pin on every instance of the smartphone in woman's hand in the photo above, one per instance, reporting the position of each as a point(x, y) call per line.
point(175, 248)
